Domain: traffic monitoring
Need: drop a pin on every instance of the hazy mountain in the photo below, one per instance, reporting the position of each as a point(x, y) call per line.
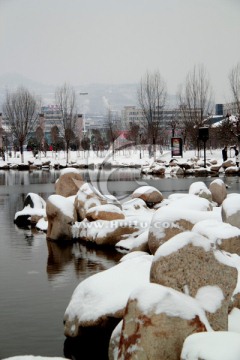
point(100, 96)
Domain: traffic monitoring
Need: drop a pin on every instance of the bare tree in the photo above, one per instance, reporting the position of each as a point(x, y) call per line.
point(234, 79)
point(152, 99)
point(40, 138)
point(21, 109)
point(195, 101)
point(66, 100)
point(113, 125)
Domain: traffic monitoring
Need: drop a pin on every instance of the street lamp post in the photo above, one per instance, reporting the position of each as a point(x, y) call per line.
point(140, 137)
point(84, 126)
point(83, 116)
point(3, 148)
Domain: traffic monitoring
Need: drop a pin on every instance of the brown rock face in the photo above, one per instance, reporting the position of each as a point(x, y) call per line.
point(59, 222)
point(231, 210)
point(225, 235)
point(194, 265)
point(169, 221)
point(149, 194)
point(87, 198)
point(104, 212)
point(218, 190)
point(68, 184)
point(103, 232)
point(157, 333)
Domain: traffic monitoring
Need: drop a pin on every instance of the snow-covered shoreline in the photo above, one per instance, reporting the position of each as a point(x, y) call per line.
point(190, 164)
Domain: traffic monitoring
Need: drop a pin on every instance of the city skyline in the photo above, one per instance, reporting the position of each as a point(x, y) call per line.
point(115, 42)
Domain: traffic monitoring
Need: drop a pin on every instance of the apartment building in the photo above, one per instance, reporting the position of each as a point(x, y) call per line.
point(169, 117)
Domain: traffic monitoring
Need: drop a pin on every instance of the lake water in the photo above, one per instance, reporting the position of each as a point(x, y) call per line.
point(37, 278)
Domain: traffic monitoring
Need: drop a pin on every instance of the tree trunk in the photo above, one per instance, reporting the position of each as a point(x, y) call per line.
point(21, 152)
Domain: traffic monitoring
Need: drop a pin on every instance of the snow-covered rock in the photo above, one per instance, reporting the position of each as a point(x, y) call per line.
point(220, 345)
point(156, 322)
point(105, 294)
point(61, 215)
point(231, 210)
point(193, 264)
point(33, 210)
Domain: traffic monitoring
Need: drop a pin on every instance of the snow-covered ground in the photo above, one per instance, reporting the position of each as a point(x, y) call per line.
point(129, 156)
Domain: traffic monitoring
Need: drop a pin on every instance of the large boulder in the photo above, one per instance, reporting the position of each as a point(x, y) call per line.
point(149, 194)
point(228, 163)
point(61, 215)
point(34, 208)
point(231, 210)
point(87, 197)
point(169, 221)
point(69, 182)
point(218, 191)
point(156, 322)
point(103, 232)
point(200, 189)
point(104, 295)
point(225, 235)
point(192, 264)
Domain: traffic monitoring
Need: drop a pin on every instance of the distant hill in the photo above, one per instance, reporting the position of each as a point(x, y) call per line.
point(99, 98)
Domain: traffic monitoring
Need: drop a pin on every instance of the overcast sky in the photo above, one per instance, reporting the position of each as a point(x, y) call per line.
point(117, 41)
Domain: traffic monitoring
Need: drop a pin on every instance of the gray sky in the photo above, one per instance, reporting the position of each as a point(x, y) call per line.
point(116, 41)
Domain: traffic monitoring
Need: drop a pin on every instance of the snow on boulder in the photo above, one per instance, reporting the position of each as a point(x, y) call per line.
point(104, 295)
point(61, 215)
point(200, 189)
point(104, 212)
point(42, 225)
point(34, 208)
point(156, 322)
point(87, 197)
point(231, 210)
point(228, 163)
point(191, 202)
point(149, 194)
point(157, 169)
point(218, 191)
point(129, 207)
point(137, 218)
point(192, 264)
point(225, 235)
point(138, 243)
point(104, 232)
point(176, 170)
point(169, 221)
point(215, 345)
point(234, 320)
point(232, 170)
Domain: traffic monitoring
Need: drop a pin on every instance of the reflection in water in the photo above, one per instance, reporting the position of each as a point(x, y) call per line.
point(86, 260)
point(58, 257)
point(14, 177)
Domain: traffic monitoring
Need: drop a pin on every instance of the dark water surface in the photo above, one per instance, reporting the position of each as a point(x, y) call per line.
point(37, 277)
